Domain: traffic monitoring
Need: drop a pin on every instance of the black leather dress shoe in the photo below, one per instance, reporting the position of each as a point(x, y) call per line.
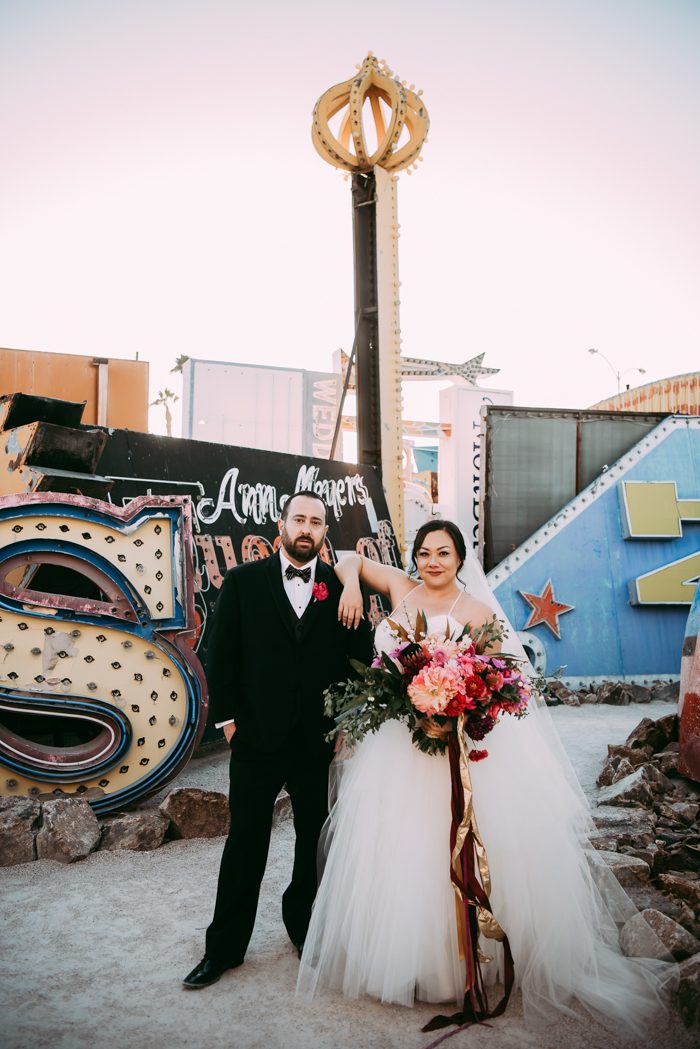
point(204, 974)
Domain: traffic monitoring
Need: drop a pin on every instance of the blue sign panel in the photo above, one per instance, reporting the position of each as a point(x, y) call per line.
point(603, 588)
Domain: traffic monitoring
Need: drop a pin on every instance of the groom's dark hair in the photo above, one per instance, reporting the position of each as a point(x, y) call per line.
point(309, 495)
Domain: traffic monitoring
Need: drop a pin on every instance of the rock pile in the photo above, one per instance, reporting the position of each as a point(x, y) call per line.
point(648, 831)
point(66, 829)
point(615, 693)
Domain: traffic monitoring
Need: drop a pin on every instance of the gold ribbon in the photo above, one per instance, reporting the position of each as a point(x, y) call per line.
point(433, 730)
point(486, 921)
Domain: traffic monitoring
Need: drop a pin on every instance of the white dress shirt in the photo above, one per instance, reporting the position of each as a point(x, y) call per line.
point(298, 592)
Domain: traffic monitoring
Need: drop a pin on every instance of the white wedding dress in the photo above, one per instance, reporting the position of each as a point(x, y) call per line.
point(384, 920)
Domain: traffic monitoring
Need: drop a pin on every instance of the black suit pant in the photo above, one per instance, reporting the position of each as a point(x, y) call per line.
point(256, 780)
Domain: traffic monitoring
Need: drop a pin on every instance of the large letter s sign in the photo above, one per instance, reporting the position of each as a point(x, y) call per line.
point(100, 694)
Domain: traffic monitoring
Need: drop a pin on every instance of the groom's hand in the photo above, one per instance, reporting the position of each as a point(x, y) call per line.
point(229, 731)
point(350, 606)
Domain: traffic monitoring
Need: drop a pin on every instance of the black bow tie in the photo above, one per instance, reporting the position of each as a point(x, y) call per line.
point(303, 573)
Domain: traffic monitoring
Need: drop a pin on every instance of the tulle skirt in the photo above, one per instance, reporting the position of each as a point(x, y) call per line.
point(384, 919)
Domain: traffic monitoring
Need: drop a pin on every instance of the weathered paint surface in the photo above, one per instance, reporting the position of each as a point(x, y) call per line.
point(689, 699)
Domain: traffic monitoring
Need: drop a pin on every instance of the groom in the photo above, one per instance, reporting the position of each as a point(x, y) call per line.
point(275, 645)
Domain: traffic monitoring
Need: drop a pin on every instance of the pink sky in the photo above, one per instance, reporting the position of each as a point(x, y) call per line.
point(159, 192)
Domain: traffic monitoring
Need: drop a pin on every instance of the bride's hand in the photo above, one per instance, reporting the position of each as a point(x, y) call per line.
point(350, 606)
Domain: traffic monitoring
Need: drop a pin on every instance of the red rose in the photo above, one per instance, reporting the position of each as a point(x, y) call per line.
point(319, 591)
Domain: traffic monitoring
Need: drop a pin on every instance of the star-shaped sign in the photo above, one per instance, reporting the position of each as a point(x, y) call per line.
point(420, 367)
point(545, 609)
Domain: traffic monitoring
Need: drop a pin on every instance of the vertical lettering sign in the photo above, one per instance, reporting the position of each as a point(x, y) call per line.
point(101, 694)
point(321, 396)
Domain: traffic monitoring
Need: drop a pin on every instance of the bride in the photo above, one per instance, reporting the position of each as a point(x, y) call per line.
point(384, 920)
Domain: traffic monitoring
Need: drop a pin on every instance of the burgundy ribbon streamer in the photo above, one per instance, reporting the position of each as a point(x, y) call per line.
point(475, 1007)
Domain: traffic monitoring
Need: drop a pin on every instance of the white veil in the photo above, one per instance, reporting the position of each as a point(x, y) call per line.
point(558, 901)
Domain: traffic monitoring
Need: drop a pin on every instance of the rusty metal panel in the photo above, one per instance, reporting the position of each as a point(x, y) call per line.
point(43, 456)
point(61, 447)
point(18, 409)
point(677, 395)
point(537, 459)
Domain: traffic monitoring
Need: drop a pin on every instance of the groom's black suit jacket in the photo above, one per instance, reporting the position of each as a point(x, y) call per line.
point(268, 669)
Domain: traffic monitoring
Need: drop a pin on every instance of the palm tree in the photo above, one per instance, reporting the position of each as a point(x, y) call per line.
point(166, 397)
point(180, 363)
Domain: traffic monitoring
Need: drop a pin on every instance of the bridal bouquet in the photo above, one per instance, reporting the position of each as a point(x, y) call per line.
point(432, 682)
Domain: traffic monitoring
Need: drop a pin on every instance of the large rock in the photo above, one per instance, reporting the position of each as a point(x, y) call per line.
point(557, 692)
point(660, 785)
point(587, 697)
point(666, 691)
point(634, 789)
point(19, 818)
point(195, 813)
point(615, 827)
point(652, 854)
point(666, 760)
point(624, 768)
point(685, 886)
point(69, 830)
point(635, 755)
point(687, 996)
point(685, 812)
point(616, 693)
point(629, 870)
point(617, 754)
point(141, 831)
point(652, 934)
point(655, 734)
point(647, 897)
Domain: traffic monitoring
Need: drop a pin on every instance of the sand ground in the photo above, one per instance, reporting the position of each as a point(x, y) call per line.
point(93, 953)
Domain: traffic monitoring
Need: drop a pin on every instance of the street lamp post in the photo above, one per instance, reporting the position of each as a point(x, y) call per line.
point(618, 374)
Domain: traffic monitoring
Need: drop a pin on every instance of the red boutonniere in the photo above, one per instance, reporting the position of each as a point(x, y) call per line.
point(319, 591)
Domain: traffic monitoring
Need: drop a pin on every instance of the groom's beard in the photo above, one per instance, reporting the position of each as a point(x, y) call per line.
point(299, 550)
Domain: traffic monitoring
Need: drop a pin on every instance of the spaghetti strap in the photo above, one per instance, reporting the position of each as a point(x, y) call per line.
point(402, 604)
point(454, 604)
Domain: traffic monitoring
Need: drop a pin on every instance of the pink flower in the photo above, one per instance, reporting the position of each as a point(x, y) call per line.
point(319, 591)
point(432, 689)
point(443, 651)
point(466, 665)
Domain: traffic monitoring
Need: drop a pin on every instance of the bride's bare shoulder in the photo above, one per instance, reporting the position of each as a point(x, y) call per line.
point(469, 610)
point(402, 586)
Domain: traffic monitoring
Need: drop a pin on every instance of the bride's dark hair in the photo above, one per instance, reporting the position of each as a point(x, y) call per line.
point(436, 525)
